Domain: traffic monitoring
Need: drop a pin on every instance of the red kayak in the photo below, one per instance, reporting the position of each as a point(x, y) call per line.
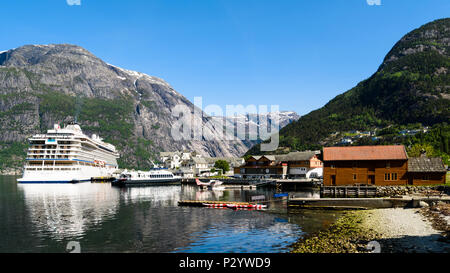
point(219, 205)
point(249, 206)
point(234, 206)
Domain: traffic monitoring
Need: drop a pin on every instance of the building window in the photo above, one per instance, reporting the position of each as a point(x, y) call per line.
point(394, 176)
point(390, 177)
point(354, 176)
point(355, 164)
point(426, 177)
point(332, 166)
point(388, 165)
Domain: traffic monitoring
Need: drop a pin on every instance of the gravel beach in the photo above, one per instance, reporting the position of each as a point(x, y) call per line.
point(404, 231)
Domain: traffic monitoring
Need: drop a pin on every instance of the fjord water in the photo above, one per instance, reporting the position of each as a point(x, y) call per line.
point(102, 218)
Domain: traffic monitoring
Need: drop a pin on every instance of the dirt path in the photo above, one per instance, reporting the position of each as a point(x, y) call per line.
point(405, 230)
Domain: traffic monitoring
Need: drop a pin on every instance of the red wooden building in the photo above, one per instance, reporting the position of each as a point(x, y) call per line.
point(379, 165)
point(374, 165)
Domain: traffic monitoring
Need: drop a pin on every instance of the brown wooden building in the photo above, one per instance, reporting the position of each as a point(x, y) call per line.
point(426, 171)
point(379, 165)
point(292, 165)
point(374, 165)
point(264, 166)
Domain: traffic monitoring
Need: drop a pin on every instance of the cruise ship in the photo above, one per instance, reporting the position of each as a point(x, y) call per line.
point(67, 155)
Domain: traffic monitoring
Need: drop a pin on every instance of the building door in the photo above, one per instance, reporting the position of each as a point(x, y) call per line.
point(410, 180)
point(333, 180)
point(372, 179)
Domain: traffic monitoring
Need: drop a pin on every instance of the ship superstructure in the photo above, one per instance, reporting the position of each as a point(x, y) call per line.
point(67, 155)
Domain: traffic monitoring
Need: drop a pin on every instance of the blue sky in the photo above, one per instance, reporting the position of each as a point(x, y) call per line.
point(292, 53)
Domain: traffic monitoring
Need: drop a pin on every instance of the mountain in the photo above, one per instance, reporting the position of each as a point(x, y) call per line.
point(412, 85)
point(252, 124)
point(285, 117)
point(255, 122)
point(45, 84)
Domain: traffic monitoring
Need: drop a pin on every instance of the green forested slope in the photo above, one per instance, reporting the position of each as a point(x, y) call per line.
point(411, 86)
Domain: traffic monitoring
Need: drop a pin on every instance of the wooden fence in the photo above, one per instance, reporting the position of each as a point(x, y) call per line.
point(348, 191)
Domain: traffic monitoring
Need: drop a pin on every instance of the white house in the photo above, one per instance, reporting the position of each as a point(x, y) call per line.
point(171, 160)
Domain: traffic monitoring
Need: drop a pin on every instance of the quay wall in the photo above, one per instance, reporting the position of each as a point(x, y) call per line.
point(364, 203)
point(381, 191)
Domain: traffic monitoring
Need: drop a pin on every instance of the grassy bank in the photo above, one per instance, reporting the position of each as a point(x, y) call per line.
point(347, 235)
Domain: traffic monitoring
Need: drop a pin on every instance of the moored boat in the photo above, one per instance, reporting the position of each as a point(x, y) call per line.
point(142, 178)
point(246, 206)
point(212, 205)
point(234, 205)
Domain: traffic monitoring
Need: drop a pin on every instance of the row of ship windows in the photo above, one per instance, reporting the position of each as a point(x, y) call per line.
point(50, 157)
point(37, 152)
point(64, 164)
point(67, 151)
point(155, 176)
point(53, 147)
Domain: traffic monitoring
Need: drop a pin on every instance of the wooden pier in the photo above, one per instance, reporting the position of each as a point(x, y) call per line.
point(282, 184)
point(234, 183)
point(296, 184)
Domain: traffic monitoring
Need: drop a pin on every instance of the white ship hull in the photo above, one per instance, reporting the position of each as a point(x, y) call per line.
point(84, 175)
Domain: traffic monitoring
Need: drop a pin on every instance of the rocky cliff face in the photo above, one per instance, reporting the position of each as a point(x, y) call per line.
point(45, 84)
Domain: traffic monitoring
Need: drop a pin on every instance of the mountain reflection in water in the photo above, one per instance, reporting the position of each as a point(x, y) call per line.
point(102, 218)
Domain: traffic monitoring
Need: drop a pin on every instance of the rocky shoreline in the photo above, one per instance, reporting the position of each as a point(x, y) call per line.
point(439, 216)
point(346, 235)
point(387, 191)
point(395, 230)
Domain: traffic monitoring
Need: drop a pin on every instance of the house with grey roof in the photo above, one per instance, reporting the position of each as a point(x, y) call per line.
point(197, 164)
point(425, 170)
point(292, 165)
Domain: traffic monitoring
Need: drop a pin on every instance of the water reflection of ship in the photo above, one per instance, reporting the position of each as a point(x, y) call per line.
point(65, 211)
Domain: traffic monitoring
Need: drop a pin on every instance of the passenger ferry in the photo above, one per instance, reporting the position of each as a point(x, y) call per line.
point(152, 177)
point(67, 155)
